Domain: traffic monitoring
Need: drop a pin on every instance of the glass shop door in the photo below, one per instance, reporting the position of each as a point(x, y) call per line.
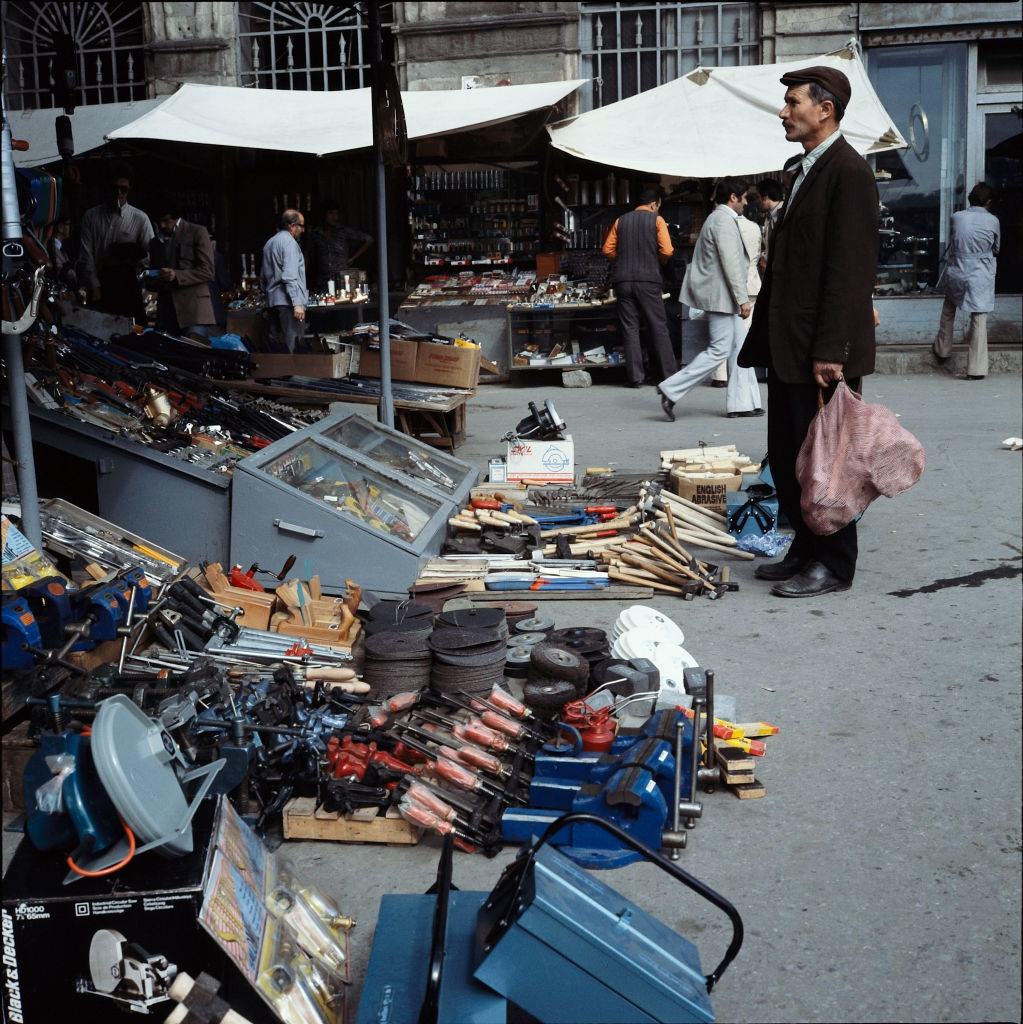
point(1001, 140)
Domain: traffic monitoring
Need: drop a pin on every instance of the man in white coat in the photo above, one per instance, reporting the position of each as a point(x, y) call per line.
point(969, 279)
point(716, 281)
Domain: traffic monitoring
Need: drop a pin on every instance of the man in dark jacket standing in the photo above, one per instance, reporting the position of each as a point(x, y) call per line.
point(181, 268)
point(638, 244)
point(813, 324)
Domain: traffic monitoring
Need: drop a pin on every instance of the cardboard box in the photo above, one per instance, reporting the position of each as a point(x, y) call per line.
point(105, 949)
point(247, 324)
point(447, 365)
point(49, 927)
point(403, 360)
point(708, 489)
point(332, 365)
point(548, 461)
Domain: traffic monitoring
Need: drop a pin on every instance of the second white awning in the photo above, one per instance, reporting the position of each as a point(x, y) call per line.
point(719, 121)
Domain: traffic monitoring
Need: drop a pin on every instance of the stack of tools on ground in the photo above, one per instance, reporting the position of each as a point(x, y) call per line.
point(295, 608)
point(469, 648)
point(310, 615)
point(477, 752)
point(737, 748)
point(489, 525)
point(658, 555)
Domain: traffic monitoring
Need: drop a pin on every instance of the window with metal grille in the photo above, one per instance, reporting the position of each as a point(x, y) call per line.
point(628, 48)
point(109, 37)
point(317, 47)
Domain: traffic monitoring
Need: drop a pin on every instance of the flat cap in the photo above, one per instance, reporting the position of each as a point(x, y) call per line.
point(827, 78)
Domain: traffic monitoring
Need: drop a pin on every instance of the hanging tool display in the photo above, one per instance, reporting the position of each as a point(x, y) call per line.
point(172, 403)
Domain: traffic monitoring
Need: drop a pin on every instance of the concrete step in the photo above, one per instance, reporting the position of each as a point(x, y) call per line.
point(908, 359)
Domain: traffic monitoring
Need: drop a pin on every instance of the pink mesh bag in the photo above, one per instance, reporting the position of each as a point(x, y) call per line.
point(853, 452)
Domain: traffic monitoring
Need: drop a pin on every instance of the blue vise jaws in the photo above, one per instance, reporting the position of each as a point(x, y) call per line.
point(639, 791)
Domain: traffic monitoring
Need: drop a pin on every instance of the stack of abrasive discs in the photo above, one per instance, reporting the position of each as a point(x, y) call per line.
point(399, 616)
point(397, 647)
point(396, 662)
point(468, 648)
point(474, 618)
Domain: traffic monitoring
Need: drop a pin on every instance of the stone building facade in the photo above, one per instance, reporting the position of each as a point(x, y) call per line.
point(949, 73)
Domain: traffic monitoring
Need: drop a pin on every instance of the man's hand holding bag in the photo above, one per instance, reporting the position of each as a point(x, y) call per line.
point(853, 452)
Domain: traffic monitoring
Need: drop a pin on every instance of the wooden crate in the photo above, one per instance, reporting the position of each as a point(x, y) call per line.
point(303, 821)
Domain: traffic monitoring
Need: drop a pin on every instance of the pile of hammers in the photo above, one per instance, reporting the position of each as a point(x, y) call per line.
point(652, 545)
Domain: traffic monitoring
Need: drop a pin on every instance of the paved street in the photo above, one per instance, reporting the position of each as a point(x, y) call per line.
point(880, 878)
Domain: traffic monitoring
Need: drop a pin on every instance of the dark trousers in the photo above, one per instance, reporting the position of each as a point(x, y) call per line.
point(286, 333)
point(636, 299)
point(791, 410)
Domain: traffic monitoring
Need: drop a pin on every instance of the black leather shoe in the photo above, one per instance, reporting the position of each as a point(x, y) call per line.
point(974, 376)
point(788, 567)
point(814, 580)
point(667, 405)
point(748, 412)
point(634, 384)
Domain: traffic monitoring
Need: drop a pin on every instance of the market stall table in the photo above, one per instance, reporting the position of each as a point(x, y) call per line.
point(440, 423)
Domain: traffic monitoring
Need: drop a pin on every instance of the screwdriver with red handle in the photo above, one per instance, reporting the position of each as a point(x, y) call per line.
point(422, 816)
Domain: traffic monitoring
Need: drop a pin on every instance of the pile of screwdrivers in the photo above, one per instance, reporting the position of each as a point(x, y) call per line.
point(474, 759)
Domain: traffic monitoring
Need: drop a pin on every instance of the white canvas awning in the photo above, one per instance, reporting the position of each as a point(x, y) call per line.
point(319, 123)
point(719, 121)
point(90, 125)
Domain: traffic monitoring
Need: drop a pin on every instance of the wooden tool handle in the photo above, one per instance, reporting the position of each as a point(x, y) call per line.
point(464, 524)
point(331, 675)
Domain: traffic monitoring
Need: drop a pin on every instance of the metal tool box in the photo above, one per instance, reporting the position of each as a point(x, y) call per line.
point(352, 499)
point(167, 501)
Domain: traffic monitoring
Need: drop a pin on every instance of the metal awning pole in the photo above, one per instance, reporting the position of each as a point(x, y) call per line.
point(13, 262)
point(383, 297)
point(21, 428)
point(383, 273)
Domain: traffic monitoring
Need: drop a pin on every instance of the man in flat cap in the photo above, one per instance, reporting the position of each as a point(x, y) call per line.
point(813, 324)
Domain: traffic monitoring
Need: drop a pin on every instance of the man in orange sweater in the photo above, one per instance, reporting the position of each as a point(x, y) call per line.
point(638, 244)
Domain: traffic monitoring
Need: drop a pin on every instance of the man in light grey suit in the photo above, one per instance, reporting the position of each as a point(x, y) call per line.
point(969, 278)
point(716, 282)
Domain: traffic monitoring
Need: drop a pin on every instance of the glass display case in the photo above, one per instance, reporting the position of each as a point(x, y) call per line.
point(351, 499)
point(401, 453)
point(353, 490)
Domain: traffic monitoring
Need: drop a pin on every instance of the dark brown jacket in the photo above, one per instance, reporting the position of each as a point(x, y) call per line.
point(191, 259)
point(816, 301)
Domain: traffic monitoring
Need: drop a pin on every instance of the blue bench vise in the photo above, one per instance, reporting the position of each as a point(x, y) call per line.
point(19, 628)
point(636, 791)
point(50, 601)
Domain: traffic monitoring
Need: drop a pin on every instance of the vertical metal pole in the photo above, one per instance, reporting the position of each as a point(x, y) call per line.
point(13, 260)
point(21, 428)
point(383, 298)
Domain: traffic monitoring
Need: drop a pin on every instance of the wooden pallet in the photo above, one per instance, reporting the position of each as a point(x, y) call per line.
point(303, 821)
